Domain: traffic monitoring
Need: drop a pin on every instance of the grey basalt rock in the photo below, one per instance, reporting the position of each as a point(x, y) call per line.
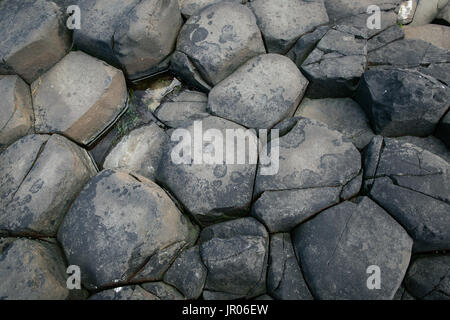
point(133, 292)
point(40, 177)
point(139, 152)
point(252, 98)
point(337, 247)
point(281, 211)
point(343, 115)
point(191, 7)
point(32, 270)
point(209, 190)
point(283, 22)
point(187, 273)
point(217, 40)
point(183, 109)
point(146, 37)
point(430, 143)
point(338, 9)
point(402, 102)
point(311, 156)
point(411, 184)
point(284, 277)
point(109, 244)
point(34, 45)
point(428, 277)
point(235, 254)
point(134, 35)
point(163, 291)
point(386, 37)
point(80, 97)
point(16, 116)
point(335, 66)
point(306, 44)
point(409, 53)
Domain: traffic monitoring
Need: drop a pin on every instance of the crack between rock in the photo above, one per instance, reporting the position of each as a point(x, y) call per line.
point(41, 149)
point(340, 238)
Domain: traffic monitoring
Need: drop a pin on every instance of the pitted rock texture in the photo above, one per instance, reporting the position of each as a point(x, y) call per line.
point(210, 191)
point(64, 102)
point(250, 97)
point(219, 39)
point(17, 116)
point(31, 270)
point(411, 184)
point(34, 45)
point(111, 244)
point(40, 177)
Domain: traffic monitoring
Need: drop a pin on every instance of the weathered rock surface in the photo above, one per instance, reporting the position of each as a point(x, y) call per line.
point(343, 8)
point(163, 291)
point(402, 102)
point(191, 7)
point(428, 277)
point(343, 115)
point(412, 184)
point(80, 97)
point(284, 277)
point(34, 45)
point(335, 66)
point(306, 44)
point(40, 177)
point(444, 14)
point(386, 37)
point(281, 211)
point(235, 254)
point(219, 39)
point(134, 35)
point(337, 247)
point(435, 34)
point(283, 22)
point(108, 243)
point(124, 293)
point(209, 189)
point(430, 144)
point(188, 274)
point(188, 106)
point(139, 152)
point(311, 156)
point(146, 37)
point(409, 53)
point(16, 116)
point(31, 270)
point(252, 98)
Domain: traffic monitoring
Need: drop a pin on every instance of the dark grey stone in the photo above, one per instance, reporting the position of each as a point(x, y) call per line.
point(337, 247)
point(284, 277)
point(235, 254)
point(108, 243)
point(428, 277)
point(402, 102)
point(187, 273)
